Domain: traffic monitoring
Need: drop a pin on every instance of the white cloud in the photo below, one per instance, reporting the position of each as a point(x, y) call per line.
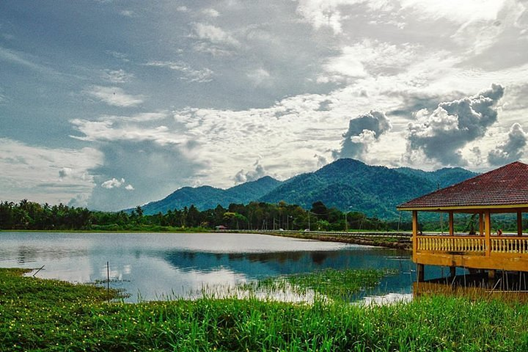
point(329, 13)
point(188, 73)
point(369, 57)
point(141, 117)
point(115, 131)
point(129, 187)
point(113, 183)
point(214, 34)
point(252, 175)
point(455, 10)
point(114, 96)
point(43, 175)
point(210, 12)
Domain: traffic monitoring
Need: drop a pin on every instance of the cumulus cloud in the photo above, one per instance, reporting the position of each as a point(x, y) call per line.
point(113, 183)
point(188, 73)
point(362, 132)
point(114, 96)
point(512, 149)
point(252, 175)
point(440, 135)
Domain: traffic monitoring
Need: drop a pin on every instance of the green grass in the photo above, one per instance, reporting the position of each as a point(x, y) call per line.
point(46, 315)
point(329, 283)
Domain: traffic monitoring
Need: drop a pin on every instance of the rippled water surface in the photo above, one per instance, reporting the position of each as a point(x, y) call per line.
point(157, 265)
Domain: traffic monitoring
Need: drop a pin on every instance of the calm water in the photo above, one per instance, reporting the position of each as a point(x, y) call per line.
point(154, 266)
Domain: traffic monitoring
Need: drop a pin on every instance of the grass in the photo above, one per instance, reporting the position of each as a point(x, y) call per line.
point(47, 315)
point(329, 283)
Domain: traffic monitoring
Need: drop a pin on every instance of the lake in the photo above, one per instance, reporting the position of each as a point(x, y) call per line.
point(152, 266)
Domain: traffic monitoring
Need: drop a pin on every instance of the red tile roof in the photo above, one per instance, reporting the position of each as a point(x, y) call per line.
point(505, 186)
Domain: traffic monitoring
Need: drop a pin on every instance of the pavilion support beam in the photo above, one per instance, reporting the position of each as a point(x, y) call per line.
point(481, 224)
point(519, 223)
point(451, 224)
point(491, 277)
point(452, 271)
point(487, 232)
point(420, 272)
point(415, 233)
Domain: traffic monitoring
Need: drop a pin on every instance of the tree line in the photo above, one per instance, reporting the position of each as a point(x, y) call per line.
point(27, 215)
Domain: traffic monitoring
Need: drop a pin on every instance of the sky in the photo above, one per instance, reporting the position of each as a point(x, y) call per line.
point(110, 104)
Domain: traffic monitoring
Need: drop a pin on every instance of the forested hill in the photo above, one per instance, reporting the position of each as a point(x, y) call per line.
point(206, 197)
point(346, 184)
point(351, 185)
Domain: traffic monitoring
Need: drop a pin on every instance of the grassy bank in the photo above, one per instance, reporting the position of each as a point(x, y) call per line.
point(49, 315)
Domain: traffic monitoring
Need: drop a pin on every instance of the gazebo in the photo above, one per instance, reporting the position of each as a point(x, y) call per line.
point(501, 191)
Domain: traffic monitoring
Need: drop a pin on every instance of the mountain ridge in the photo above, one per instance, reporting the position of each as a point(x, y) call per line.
point(347, 184)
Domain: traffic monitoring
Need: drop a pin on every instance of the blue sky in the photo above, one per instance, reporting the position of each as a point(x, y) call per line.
point(114, 103)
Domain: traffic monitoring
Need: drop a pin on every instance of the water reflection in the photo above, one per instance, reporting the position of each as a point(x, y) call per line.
point(154, 266)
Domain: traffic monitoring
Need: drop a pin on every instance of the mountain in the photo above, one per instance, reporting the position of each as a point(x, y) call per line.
point(351, 185)
point(206, 197)
point(442, 177)
point(346, 184)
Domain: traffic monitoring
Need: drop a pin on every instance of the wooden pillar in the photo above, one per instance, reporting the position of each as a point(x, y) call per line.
point(415, 233)
point(451, 224)
point(487, 230)
point(481, 224)
point(491, 277)
point(519, 223)
point(420, 272)
point(452, 271)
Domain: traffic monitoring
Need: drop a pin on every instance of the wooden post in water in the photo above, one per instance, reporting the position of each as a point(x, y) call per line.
point(420, 272)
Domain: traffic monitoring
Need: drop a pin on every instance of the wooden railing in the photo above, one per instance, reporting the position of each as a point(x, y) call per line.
point(472, 244)
point(451, 243)
point(509, 245)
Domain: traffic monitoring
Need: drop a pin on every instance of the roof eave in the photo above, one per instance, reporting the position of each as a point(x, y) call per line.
point(464, 207)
